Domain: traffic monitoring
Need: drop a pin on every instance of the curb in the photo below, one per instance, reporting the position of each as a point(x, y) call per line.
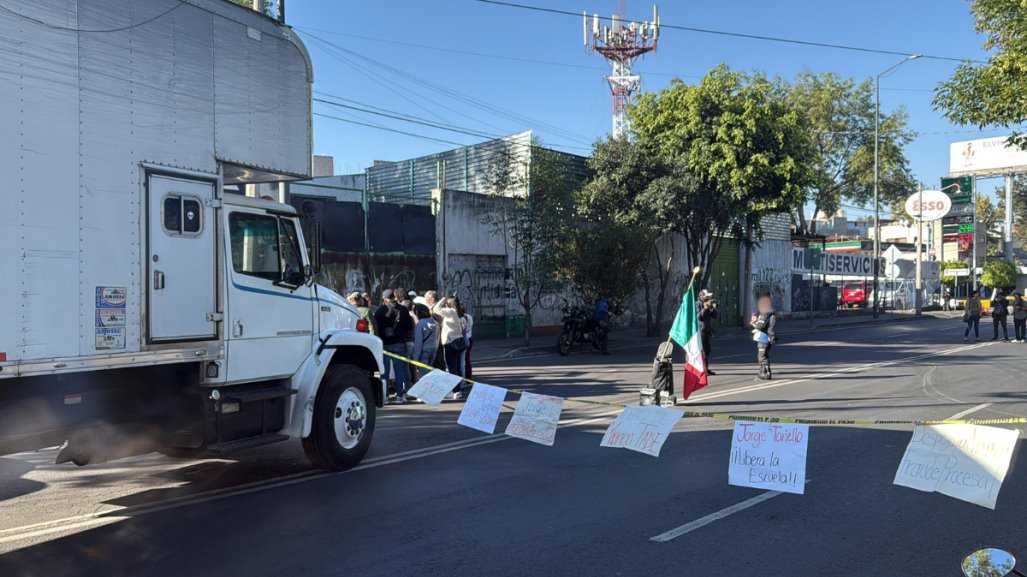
point(522, 352)
point(870, 321)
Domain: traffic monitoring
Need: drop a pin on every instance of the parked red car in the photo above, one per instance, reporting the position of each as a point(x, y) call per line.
point(854, 294)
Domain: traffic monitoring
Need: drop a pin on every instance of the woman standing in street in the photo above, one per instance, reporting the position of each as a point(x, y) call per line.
point(451, 338)
point(426, 338)
point(972, 315)
point(1019, 317)
point(999, 314)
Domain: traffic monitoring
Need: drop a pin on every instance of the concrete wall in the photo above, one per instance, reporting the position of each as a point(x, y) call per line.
point(771, 268)
point(477, 262)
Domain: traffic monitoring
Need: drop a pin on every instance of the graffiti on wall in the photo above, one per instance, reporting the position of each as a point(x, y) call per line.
point(773, 281)
point(481, 283)
point(348, 272)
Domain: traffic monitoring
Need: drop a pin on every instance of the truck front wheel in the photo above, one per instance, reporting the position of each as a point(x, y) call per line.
point(343, 421)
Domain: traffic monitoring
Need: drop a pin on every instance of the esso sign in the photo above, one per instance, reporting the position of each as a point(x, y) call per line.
point(932, 204)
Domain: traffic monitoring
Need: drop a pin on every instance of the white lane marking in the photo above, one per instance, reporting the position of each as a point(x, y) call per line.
point(851, 369)
point(121, 513)
point(962, 414)
point(702, 522)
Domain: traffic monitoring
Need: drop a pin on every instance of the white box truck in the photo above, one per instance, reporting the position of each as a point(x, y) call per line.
point(146, 302)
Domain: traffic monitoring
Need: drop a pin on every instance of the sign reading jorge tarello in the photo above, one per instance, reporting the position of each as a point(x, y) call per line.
point(833, 263)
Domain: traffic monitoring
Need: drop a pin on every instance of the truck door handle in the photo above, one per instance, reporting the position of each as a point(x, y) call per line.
point(158, 280)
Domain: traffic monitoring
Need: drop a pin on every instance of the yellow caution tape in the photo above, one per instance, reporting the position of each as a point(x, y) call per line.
point(765, 419)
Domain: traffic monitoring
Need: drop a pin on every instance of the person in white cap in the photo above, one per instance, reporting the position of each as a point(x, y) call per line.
point(707, 312)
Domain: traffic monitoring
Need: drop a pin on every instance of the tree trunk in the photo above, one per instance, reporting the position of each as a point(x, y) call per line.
point(527, 326)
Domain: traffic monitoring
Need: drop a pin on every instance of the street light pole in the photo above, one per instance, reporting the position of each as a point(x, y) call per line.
point(877, 177)
point(919, 243)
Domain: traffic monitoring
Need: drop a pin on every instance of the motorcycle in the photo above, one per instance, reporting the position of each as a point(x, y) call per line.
point(990, 562)
point(580, 328)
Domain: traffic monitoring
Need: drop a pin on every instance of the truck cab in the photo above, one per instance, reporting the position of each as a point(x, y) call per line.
point(236, 270)
point(150, 303)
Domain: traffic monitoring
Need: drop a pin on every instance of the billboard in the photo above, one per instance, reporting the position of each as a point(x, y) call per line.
point(986, 156)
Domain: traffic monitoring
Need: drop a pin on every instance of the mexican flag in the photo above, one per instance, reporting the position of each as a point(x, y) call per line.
point(685, 331)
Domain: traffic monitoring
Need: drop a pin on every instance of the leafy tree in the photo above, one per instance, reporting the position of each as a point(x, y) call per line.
point(840, 123)
point(617, 200)
point(995, 93)
point(948, 278)
point(987, 215)
point(737, 150)
point(603, 258)
point(534, 225)
point(999, 274)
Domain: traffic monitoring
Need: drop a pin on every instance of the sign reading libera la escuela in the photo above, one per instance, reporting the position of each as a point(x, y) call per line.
point(833, 263)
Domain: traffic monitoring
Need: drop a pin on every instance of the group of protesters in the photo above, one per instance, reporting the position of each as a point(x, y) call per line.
point(436, 332)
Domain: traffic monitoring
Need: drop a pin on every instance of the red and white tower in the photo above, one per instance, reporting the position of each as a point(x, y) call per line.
point(621, 44)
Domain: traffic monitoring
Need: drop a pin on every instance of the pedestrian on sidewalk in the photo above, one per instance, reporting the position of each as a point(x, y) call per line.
point(972, 315)
point(763, 323)
point(389, 318)
point(426, 339)
point(999, 314)
point(451, 338)
point(363, 312)
point(707, 312)
point(1019, 317)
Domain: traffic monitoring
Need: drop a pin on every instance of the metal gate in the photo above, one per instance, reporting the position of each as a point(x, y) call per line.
point(724, 275)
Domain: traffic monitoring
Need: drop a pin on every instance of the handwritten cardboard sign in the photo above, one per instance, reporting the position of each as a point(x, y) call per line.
point(482, 409)
point(434, 387)
point(535, 418)
point(769, 456)
point(642, 429)
point(967, 462)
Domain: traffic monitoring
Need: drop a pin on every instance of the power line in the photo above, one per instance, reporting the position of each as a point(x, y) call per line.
point(464, 98)
point(402, 118)
point(738, 34)
point(387, 129)
point(378, 111)
point(17, 14)
point(485, 54)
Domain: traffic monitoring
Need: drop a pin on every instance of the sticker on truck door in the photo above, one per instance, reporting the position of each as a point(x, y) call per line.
point(110, 338)
point(110, 317)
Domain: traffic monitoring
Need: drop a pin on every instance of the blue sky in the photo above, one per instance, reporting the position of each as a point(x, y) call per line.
point(566, 100)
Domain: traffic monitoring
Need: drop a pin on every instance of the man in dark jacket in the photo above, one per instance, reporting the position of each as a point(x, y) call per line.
point(707, 312)
point(394, 324)
point(763, 323)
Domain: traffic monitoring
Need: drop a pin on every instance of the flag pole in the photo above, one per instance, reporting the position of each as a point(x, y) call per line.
point(695, 274)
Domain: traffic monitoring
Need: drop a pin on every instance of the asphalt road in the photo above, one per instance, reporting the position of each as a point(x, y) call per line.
point(435, 498)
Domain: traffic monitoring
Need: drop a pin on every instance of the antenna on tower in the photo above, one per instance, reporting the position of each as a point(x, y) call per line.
point(621, 45)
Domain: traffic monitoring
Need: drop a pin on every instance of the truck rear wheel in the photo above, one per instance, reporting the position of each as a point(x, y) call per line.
point(343, 421)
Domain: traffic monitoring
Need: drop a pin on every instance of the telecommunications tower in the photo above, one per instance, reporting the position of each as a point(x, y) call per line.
point(621, 44)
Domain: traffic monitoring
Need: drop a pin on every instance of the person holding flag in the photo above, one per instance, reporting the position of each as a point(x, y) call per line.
point(685, 331)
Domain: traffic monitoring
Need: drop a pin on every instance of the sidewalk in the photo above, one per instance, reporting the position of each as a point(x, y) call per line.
point(490, 349)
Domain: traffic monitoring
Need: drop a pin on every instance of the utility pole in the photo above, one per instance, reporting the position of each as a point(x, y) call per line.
point(621, 44)
point(1007, 225)
point(973, 266)
point(918, 299)
point(877, 174)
